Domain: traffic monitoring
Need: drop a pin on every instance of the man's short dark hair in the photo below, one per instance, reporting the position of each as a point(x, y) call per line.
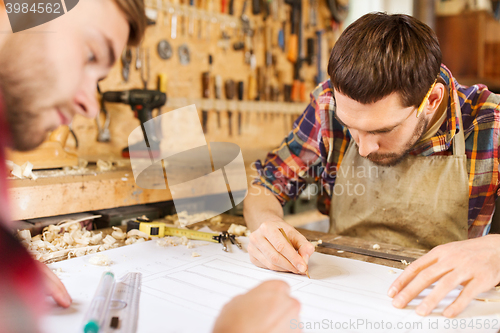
point(380, 54)
point(135, 13)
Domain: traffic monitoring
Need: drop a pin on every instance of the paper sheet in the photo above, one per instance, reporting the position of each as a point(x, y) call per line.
point(181, 293)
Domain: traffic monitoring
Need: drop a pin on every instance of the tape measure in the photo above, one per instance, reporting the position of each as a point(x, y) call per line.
point(159, 229)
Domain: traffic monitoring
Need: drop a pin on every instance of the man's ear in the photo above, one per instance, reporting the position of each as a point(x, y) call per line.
point(435, 98)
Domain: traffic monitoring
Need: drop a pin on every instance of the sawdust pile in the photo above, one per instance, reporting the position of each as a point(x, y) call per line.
point(67, 239)
point(174, 241)
point(183, 219)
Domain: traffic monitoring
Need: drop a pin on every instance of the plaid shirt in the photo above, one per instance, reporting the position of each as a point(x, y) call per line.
point(317, 143)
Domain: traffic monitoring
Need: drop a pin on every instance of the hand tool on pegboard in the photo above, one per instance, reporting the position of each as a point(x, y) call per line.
point(230, 92)
point(241, 92)
point(218, 95)
point(126, 61)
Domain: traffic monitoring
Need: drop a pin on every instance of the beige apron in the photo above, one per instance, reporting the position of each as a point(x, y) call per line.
point(421, 202)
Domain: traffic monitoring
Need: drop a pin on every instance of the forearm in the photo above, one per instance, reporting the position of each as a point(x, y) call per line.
point(261, 205)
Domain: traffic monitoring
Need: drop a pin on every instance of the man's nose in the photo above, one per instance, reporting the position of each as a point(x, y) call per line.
point(85, 100)
point(367, 144)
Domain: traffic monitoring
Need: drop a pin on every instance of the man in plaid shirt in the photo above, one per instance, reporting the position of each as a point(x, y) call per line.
point(407, 155)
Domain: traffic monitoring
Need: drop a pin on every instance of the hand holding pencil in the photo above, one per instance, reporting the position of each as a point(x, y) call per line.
point(284, 250)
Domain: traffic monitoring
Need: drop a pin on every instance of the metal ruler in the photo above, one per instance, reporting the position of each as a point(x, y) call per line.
point(123, 312)
point(115, 306)
point(369, 253)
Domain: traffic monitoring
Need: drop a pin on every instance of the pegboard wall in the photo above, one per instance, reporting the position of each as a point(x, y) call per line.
point(208, 30)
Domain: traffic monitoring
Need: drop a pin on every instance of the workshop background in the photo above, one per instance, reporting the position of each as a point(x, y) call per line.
point(249, 66)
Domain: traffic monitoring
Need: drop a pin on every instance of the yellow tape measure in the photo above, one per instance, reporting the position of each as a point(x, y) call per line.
point(159, 229)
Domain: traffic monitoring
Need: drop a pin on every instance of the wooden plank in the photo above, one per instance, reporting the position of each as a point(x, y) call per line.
point(79, 193)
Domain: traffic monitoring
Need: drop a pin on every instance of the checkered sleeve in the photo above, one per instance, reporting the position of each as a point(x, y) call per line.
point(287, 167)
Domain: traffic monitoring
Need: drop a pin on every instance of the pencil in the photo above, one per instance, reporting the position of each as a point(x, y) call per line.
point(286, 237)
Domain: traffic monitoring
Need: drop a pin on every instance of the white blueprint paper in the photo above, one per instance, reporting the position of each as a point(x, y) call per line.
point(181, 293)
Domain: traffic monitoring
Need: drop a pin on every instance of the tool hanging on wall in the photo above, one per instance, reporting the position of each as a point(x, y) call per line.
point(164, 49)
point(294, 38)
point(145, 69)
point(241, 92)
point(173, 24)
point(339, 9)
point(230, 87)
point(319, 75)
point(256, 7)
point(218, 95)
point(142, 102)
point(103, 133)
point(138, 62)
point(126, 61)
point(184, 54)
point(206, 94)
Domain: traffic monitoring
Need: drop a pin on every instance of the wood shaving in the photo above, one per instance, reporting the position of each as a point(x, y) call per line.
point(392, 272)
point(104, 165)
point(238, 230)
point(404, 262)
point(195, 254)
point(174, 241)
point(68, 239)
point(118, 233)
point(21, 172)
point(376, 247)
point(57, 271)
point(137, 233)
point(100, 260)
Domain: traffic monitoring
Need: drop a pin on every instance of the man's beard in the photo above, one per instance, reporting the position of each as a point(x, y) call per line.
point(23, 88)
point(393, 158)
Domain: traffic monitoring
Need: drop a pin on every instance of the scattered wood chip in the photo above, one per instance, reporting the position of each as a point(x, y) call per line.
point(104, 165)
point(195, 254)
point(57, 271)
point(404, 262)
point(21, 172)
point(100, 260)
point(392, 272)
point(376, 247)
point(238, 230)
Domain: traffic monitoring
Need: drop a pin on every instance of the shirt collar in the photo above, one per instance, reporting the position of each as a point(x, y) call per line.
point(441, 141)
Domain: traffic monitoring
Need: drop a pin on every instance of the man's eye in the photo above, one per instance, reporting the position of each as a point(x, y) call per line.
point(92, 58)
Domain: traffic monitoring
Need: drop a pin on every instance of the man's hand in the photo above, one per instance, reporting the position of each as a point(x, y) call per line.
point(269, 249)
point(54, 286)
point(264, 309)
point(473, 263)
